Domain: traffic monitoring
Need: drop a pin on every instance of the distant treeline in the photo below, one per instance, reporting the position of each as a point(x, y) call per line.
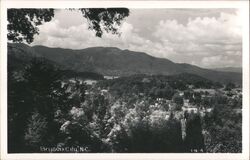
point(19, 65)
point(157, 85)
point(82, 75)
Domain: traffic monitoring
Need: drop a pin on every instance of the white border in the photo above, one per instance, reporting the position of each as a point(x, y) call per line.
point(129, 4)
point(124, 3)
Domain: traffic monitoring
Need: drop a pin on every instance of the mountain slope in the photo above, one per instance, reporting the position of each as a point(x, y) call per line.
point(116, 62)
point(229, 69)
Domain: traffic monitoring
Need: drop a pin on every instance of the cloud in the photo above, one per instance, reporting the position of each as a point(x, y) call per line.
point(207, 36)
point(200, 31)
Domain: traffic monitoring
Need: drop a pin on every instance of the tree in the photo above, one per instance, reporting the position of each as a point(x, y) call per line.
point(42, 79)
point(224, 129)
point(206, 102)
point(229, 86)
point(38, 94)
point(35, 135)
point(23, 23)
point(178, 100)
point(110, 18)
point(194, 139)
point(188, 94)
point(218, 85)
point(19, 108)
point(197, 98)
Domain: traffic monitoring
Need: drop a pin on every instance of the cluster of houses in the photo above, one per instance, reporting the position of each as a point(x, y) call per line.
point(170, 105)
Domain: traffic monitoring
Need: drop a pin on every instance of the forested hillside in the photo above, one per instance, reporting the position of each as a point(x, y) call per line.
point(134, 114)
point(116, 62)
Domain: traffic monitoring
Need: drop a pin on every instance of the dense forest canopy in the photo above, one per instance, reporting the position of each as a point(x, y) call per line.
point(139, 113)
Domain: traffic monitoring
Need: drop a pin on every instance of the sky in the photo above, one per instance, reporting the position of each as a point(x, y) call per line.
point(209, 38)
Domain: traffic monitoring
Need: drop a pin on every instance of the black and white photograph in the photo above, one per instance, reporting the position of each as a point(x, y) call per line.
point(124, 80)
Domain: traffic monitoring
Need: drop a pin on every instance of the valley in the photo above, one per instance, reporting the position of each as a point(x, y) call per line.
point(108, 100)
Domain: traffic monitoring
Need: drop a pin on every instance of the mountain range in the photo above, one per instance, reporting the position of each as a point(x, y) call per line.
point(229, 69)
point(113, 61)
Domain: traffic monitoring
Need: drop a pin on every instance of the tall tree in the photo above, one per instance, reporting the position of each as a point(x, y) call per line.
point(37, 95)
point(35, 135)
point(194, 139)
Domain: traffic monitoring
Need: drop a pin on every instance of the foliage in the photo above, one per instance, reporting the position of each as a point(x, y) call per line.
point(178, 100)
point(19, 108)
point(166, 92)
point(42, 79)
point(107, 19)
point(23, 23)
point(224, 128)
point(37, 95)
point(144, 130)
point(35, 134)
point(229, 86)
point(125, 115)
point(194, 138)
point(82, 75)
point(157, 86)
